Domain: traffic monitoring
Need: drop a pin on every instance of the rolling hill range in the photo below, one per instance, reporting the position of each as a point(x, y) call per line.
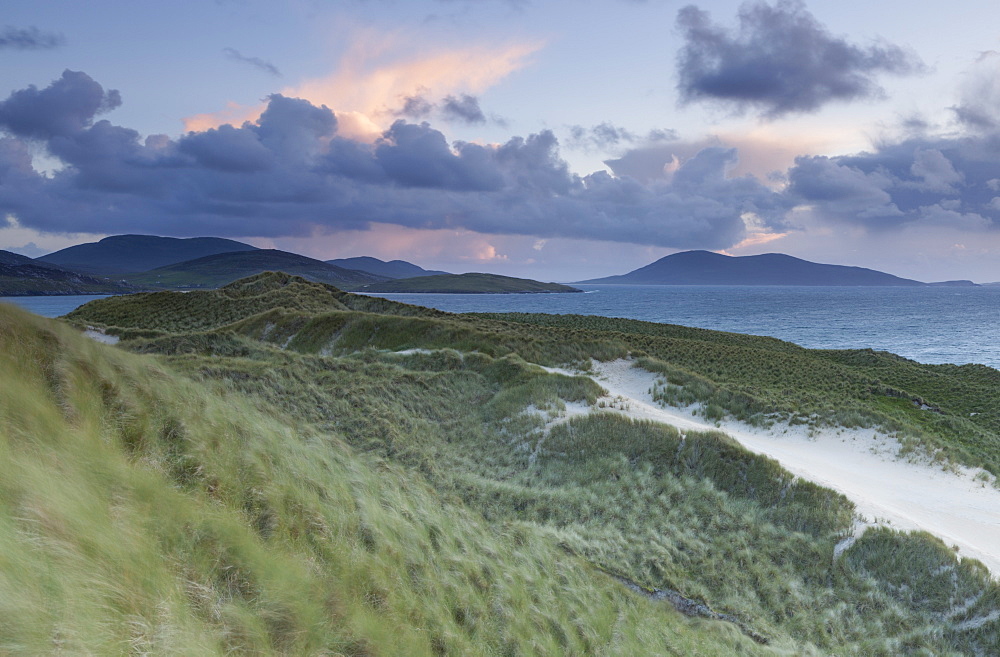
point(707, 268)
point(121, 254)
point(20, 275)
point(218, 270)
point(467, 284)
point(315, 470)
point(391, 269)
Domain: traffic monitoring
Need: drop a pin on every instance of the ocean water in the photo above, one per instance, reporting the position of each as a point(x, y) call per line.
point(926, 324)
point(52, 306)
point(930, 325)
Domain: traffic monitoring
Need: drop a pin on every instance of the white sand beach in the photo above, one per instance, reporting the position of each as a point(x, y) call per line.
point(959, 505)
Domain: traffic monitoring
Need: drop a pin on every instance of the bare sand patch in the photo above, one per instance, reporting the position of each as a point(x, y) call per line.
point(100, 336)
point(959, 505)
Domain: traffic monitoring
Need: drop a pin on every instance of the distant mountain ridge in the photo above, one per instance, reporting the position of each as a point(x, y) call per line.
point(125, 254)
point(223, 268)
point(708, 268)
point(23, 276)
point(16, 259)
point(390, 269)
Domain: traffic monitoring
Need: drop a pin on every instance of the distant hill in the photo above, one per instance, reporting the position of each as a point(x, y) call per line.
point(223, 268)
point(707, 268)
point(960, 283)
point(22, 276)
point(391, 269)
point(467, 284)
point(11, 258)
point(123, 254)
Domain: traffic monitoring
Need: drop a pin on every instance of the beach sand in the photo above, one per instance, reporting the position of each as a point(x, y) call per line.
point(959, 505)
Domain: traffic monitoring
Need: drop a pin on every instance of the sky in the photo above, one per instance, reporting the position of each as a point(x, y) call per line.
point(552, 140)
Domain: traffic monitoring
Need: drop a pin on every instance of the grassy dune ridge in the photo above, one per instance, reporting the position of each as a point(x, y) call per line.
point(143, 512)
point(424, 502)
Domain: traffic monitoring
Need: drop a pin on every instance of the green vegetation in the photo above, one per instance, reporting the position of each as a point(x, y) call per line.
point(145, 513)
point(268, 474)
point(467, 284)
point(950, 410)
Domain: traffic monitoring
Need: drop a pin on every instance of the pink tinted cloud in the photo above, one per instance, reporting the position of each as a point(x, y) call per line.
point(378, 71)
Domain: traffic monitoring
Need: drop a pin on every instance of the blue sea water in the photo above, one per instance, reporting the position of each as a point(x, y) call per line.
point(54, 305)
point(927, 324)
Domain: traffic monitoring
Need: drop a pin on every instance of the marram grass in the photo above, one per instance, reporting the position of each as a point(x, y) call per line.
point(424, 505)
point(144, 513)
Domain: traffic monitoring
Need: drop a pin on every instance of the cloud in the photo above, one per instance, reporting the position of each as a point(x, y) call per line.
point(292, 172)
point(464, 108)
point(979, 104)
point(29, 38)
point(32, 243)
point(764, 153)
point(779, 61)
point(416, 107)
point(379, 69)
point(606, 136)
point(921, 180)
point(256, 62)
point(419, 156)
point(63, 108)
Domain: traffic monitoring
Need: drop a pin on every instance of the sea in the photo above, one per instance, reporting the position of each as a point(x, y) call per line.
point(928, 324)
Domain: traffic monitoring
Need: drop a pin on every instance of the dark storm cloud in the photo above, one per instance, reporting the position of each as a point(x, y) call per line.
point(228, 149)
point(419, 156)
point(464, 108)
point(290, 173)
point(294, 128)
point(256, 62)
point(780, 60)
point(65, 107)
point(920, 180)
point(29, 38)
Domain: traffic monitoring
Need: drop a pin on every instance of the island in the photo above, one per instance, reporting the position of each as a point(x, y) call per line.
point(474, 283)
point(708, 268)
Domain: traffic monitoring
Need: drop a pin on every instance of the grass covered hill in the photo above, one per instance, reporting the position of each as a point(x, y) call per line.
point(467, 284)
point(279, 467)
point(143, 512)
point(223, 268)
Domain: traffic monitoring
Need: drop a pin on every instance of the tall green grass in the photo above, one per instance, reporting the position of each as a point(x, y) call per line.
point(696, 514)
point(750, 378)
point(145, 513)
point(464, 419)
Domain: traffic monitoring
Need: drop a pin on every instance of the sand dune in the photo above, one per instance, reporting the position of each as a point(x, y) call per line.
point(959, 505)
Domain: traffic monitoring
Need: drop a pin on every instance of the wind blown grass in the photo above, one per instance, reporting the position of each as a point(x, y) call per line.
point(452, 442)
point(143, 512)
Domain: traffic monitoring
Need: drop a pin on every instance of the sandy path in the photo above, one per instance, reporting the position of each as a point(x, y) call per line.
point(953, 505)
point(100, 336)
